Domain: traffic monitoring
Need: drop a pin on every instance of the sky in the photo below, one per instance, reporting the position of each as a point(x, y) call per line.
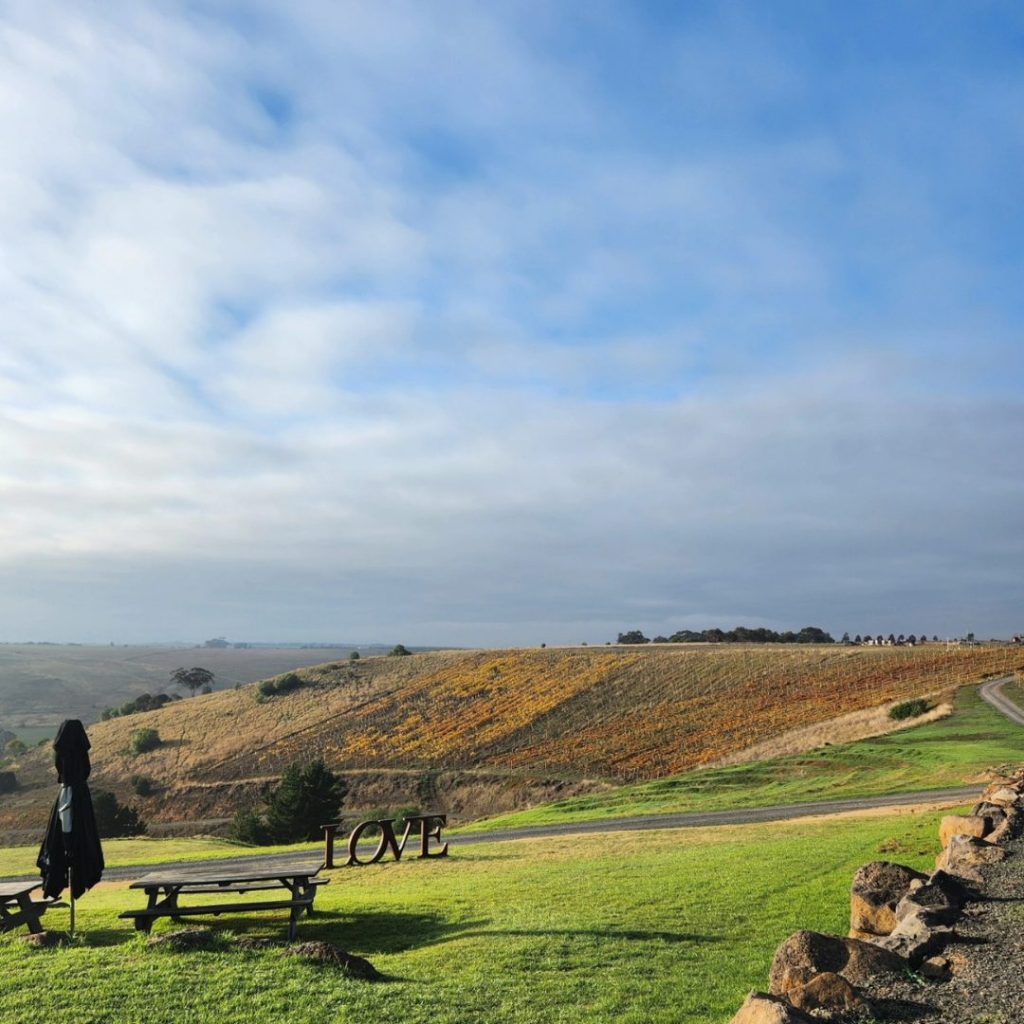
point(505, 324)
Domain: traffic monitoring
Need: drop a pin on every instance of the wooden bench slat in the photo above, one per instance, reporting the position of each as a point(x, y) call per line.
point(217, 908)
point(243, 887)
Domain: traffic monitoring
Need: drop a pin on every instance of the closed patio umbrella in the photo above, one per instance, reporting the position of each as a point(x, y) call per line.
point(70, 855)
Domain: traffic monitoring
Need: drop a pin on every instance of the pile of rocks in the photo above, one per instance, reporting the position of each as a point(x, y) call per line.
point(901, 921)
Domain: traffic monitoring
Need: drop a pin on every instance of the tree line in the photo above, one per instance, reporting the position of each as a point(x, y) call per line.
point(739, 635)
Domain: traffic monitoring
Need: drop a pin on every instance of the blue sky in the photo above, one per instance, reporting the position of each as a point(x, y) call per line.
point(482, 324)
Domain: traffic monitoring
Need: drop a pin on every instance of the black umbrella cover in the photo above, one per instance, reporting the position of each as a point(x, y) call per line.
point(80, 848)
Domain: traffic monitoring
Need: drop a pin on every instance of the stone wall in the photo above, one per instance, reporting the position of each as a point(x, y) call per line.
point(900, 920)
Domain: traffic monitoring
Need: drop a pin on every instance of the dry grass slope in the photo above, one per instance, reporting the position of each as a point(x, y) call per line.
point(569, 714)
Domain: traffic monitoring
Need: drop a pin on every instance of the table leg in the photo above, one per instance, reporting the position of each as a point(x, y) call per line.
point(30, 913)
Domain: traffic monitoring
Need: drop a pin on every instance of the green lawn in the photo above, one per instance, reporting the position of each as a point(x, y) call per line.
point(630, 928)
point(21, 860)
point(951, 752)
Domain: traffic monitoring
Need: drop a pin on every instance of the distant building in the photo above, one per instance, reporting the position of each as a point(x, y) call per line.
point(218, 641)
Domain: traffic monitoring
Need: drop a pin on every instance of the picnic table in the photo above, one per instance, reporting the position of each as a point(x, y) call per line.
point(17, 906)
point(166, 887)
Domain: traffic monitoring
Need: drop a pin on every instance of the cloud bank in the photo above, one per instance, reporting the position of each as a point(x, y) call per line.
point(460, 326)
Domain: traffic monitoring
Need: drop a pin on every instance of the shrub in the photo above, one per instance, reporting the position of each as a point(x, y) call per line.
point(909, 709)
point(142, 741)
point(285, 684)
point(353, 656)
point(305, 799)
point(15, 747)
point(114, 820)
point(249, 827)
point(143, 785)
point(399, 651)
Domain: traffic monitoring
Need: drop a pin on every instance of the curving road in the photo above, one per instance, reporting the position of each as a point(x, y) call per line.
point(991, 692)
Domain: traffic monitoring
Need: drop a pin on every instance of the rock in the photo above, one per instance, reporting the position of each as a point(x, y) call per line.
point(325, 953)
point(829, 991)
point(759, 1008)
point(1009, 828)
point(1003, 795)
point(963, 825)
point(184, 940)
point(929, 899)
point(46, 940)
point(877, 888)
point(919, 934)
point(937, 968)
point(952, 889)
point(965, 855)
point(805, 955)
point(994, 811)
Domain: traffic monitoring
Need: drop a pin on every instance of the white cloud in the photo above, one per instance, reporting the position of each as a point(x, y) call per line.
point(294, 297)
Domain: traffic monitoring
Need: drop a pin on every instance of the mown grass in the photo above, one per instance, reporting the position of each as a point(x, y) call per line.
point(627, 928)
point(21, 860)
point(950, 752)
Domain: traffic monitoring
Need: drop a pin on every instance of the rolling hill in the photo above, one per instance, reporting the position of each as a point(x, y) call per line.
point(42, 684)
point(489, 731)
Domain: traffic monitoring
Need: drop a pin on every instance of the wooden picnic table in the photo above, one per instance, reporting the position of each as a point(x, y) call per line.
point(17, 906)
point(166, 887)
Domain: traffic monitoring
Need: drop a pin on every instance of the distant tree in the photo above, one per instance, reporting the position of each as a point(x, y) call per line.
point(294, 810)
point(15, 747)
point(399, 651)
point(970, 638)
point(846, 639)
point(857, 639)
point(879, 639)
point(192, 679)
point(892, 639)
point(814, 635)
point(660, 640)
point(353, 656)
point(633, 636)
point(935, 639)
point(114, 820)
point(912, 640)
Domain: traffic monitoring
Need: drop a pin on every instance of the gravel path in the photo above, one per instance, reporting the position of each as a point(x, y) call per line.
point(987, 986)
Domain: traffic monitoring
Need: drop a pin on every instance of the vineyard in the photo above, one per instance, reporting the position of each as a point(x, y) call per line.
point(612, 714)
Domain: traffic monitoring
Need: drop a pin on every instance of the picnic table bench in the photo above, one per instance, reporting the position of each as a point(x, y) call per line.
point(17, 906)
point(165, 888)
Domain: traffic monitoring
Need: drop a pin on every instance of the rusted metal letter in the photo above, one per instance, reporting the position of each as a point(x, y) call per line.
point(329, 831)
point(387, 840)
point(430, 828)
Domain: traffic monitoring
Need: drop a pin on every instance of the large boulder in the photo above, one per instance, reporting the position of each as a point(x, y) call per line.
point(829, 991)
point(919, 933)
point(1003, 794)
point(805, 955)
point(1009, 827)
point(759, 1008)
point(877, 888)
point(976, 825)
point(966, 855)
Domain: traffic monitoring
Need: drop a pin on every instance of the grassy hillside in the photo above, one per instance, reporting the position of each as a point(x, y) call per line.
point(42, 684)
point(955, 751)
point(426, 726)
point(648, 927)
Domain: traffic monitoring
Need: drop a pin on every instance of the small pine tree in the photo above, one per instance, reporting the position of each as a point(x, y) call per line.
point(114, 820)
point(306, 799)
